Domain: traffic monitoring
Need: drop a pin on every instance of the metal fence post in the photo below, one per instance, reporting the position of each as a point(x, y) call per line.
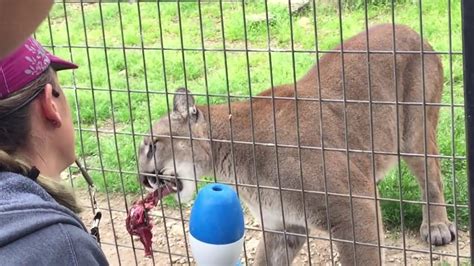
point(468, 58)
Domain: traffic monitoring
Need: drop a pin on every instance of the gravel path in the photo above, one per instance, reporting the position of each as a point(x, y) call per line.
point(118, 245)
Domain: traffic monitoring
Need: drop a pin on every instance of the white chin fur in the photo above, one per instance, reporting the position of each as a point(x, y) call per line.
point(187, 193)
point(189, 187)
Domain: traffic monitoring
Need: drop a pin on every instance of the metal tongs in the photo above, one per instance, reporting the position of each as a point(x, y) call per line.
point(95, 206)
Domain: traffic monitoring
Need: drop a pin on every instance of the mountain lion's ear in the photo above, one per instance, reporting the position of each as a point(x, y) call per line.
point(183, 104)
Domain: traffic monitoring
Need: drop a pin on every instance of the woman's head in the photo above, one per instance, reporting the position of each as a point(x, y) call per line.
point(35, 121)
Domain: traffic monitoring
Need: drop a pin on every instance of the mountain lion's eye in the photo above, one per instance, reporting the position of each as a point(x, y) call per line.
point(151, 150)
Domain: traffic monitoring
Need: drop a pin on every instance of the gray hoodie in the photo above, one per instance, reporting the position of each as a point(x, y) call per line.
point(36, 230)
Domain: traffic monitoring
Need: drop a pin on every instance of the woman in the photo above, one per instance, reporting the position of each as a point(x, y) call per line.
point(38, 225)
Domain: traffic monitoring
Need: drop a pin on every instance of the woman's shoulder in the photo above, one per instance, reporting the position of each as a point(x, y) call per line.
point(84, 248)
point(35, 228)
point(57, 244)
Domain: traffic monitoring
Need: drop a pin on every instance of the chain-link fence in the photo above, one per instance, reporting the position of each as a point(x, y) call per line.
point(341, 124)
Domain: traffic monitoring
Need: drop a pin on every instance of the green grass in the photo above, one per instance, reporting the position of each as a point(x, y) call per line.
point(157, 70)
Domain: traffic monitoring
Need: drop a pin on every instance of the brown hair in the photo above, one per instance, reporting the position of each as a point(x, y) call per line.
point(15, 129)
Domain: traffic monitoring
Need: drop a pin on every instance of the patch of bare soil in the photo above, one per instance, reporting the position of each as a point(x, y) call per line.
point(171, 247)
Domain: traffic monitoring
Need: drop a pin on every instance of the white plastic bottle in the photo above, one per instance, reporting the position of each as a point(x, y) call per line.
point(217, 226)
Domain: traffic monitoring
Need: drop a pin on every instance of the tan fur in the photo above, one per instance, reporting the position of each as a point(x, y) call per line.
point(248, 163)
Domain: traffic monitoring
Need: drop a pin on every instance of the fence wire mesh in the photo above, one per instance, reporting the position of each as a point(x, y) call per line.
point(133, 55)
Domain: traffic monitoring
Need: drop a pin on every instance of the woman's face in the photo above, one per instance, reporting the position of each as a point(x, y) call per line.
point(64, 134)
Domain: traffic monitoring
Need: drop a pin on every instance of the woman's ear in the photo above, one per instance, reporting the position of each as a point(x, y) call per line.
point(49, 106)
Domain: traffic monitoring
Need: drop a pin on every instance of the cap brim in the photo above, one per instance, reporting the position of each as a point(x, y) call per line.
point(60, 64)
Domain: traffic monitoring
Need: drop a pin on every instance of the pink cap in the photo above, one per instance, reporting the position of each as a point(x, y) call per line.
point(25, 65)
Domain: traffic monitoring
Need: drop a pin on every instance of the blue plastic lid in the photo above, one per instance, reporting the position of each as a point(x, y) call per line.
point(217, 216)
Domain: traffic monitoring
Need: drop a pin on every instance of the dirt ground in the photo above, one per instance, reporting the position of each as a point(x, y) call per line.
point(121, 249)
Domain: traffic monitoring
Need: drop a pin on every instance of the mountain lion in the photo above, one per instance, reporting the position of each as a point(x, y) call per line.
point(276, 141)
